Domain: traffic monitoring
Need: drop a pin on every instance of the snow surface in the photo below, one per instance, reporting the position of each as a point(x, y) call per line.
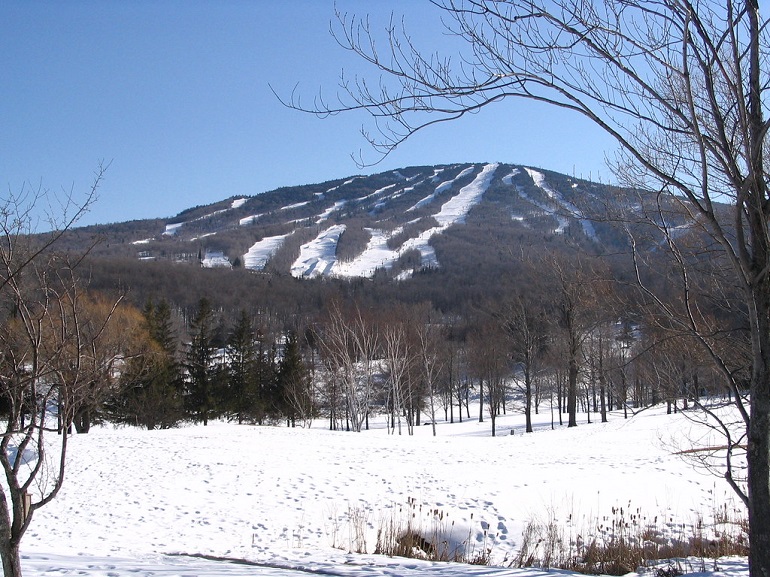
point(441, 188)
point(172, 228)
point(318, 257)
point(295, 205)
point(508, 178)
point(142, 503)
point(539, 179)
point(261, 251)
point(456, 209)
point(238, 202)
point(328, 212)
point(215, 259)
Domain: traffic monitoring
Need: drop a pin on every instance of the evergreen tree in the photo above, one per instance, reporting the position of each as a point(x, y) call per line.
point(266, 405)
point(202, 377)
point(242, 367)
point(293, 384)
point(150, 394)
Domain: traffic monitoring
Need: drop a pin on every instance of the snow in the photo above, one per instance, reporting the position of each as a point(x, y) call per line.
point(238, 202)
point(249, 219)
point(321, 195)
point(376, 255)
point(441, 188)
point(141, 502)
point(456, 209)
point(539, 179)
point(215, 259)
point(261, 251)
point(328, 212)
point(508, 178)
point(295, 205)
point(193, 239)
point(317, 257)
point(172, 228)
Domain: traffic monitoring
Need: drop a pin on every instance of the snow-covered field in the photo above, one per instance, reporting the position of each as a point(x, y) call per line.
point(145, 502)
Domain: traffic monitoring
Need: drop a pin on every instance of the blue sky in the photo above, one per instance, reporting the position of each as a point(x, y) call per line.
point(175, 96)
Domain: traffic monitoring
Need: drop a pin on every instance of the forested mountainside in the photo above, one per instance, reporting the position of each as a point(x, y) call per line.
point(450, 235)
point(393, 223)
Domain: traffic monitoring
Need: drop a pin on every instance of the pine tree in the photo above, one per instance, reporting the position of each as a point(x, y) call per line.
point(201, 370)
point(294, 386)
point(150, 394)
point(266, 405)
point(241, 397)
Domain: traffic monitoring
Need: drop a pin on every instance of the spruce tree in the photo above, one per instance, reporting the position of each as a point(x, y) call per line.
point(201, 371)
point(150, 394)
point(295, 396)
point(241, 397)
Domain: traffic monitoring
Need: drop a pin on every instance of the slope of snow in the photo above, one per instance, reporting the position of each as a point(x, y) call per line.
point(456, 209)
point(295, 205)
point(562, 222)
point(287, 497)
point(539, 179)
point(172, 228)
point(321, 195)
point(238, 202)
point(260, 252)
point(441, 188)
point(215, 259)
point(249, 219)
point(378, 255)
point(317, 257)
point(329, 211)
point(508, 178)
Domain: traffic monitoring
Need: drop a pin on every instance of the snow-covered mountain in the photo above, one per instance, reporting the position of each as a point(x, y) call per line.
point(392, 223)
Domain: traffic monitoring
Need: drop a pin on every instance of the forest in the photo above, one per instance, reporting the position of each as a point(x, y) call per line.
point(550, 327)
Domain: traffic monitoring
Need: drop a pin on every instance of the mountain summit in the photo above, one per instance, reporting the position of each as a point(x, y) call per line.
point(394, 223)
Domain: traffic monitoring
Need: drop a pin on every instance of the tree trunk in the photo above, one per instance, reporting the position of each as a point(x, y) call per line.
point(9, 553)
point(481, 400)
point(528, 400)
point(602, 393)
point(572, 392)
point(82, 421)
point(758, 451)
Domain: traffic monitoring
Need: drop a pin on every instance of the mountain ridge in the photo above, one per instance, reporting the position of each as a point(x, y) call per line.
point(393, 223)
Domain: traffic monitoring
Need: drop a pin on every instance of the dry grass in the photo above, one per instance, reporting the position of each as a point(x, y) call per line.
point(615, 544)
point(414, 531)
point(626, 540)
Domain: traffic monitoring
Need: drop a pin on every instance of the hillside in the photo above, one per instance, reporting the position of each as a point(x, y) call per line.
point(394, 223)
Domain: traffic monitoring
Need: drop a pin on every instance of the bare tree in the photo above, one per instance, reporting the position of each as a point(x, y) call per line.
point(429, 361)
point(680, 85)
point(37, 287)
point(349, 347)
point(489, 359)
point(523, 319)
point(398, 356)
point(574, 316)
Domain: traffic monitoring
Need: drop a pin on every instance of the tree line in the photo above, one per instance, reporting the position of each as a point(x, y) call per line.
point(563, 334)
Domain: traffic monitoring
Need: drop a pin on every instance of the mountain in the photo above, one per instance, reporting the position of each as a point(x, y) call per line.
point(394, 223)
